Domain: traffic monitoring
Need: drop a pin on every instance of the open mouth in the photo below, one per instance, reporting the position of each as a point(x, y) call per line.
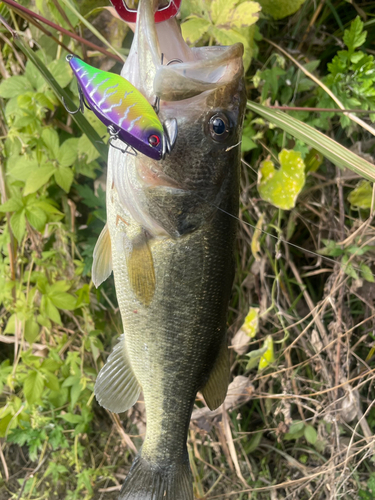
point(194, 70)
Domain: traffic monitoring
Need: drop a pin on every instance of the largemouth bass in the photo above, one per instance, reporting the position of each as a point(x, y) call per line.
point(169, 241)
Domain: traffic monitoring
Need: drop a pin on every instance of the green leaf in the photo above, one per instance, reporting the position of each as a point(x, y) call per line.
point(31, 330)
point(279, 9)
point(281, 187)
point(254, 442)
point(51, 140)
point(34, 77)
point(251, 323)
point(49, 309)
point(313, 160)
point(268, 357)
point(366, 273)
point(348, 268)
point(220, 10)
point(11, 324)
point(355, 36)
point(70, 381)
point(246, 14)
point(18, 224)
point(75, 392)
point(72, 419)
point(47, 207)
point(33, 387)
point(52, 382)
point(227, 36)
point(61, 72)
point(38, 178)
point(194, 28)
point(331, 149)
point(63, 301)
point(254, 357)
point(296, 430)
point(11, 205)
point(14, 86)
point(58, 287)
point(85, 147)
point(310, 434)
point(361, 196)
point(68, 153)
point(36, 217)
point(64, 178)
point(23, 168)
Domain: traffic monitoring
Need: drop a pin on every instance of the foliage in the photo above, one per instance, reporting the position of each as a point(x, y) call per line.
point(281, 8)
point(281, 187)
point(351, 75)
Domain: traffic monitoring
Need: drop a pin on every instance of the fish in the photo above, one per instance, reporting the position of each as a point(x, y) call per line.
point(169, 240)
point(123, 109)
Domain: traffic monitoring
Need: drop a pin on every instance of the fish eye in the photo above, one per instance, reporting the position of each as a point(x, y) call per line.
point(219, 127)
point(154, 140)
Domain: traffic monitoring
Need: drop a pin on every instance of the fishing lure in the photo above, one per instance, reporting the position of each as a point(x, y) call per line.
point(124, 110)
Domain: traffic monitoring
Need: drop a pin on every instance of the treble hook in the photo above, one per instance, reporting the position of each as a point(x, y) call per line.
point(156, 105)
point(114, 135)
point(82, 103)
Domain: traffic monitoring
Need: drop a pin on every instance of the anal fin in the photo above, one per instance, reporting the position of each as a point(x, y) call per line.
point(116, 387)
point(102, 264)
point(216, 387)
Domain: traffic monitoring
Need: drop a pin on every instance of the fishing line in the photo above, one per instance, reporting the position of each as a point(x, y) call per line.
point(284, 241)
point(276, 237)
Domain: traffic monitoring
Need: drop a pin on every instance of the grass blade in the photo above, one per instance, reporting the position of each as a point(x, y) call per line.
point(79, 118)
point(335, 152)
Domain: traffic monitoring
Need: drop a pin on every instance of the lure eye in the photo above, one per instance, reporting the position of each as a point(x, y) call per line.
point(219, 127)
point(154, 141)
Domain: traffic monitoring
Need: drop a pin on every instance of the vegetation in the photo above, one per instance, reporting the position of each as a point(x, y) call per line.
point(299, 421)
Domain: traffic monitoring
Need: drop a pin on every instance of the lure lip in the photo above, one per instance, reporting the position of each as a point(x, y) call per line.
point(162, 14)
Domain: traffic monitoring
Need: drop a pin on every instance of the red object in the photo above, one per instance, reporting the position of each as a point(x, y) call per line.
point(162, 14)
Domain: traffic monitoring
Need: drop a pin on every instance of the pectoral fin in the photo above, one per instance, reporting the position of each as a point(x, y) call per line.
point(215, 390)
point(116, 387)
point(102, 264)
point(141, 270)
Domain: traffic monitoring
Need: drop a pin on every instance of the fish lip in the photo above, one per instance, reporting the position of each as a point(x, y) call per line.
point(196, 70)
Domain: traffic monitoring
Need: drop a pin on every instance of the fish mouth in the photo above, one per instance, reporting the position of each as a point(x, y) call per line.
point(163, 67)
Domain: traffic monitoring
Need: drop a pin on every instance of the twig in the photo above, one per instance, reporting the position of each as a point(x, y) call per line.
point(311, 23)
point(3, 461)
point(125, 438)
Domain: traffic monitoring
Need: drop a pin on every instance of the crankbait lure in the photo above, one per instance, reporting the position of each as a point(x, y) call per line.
point(124, 110)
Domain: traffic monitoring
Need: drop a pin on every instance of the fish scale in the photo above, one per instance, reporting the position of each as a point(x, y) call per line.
point(117, 102)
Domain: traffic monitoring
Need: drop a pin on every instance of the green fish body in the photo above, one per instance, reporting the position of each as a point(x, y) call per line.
point(169, 240)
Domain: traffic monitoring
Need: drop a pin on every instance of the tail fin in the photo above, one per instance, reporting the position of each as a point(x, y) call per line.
point(146, 481)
